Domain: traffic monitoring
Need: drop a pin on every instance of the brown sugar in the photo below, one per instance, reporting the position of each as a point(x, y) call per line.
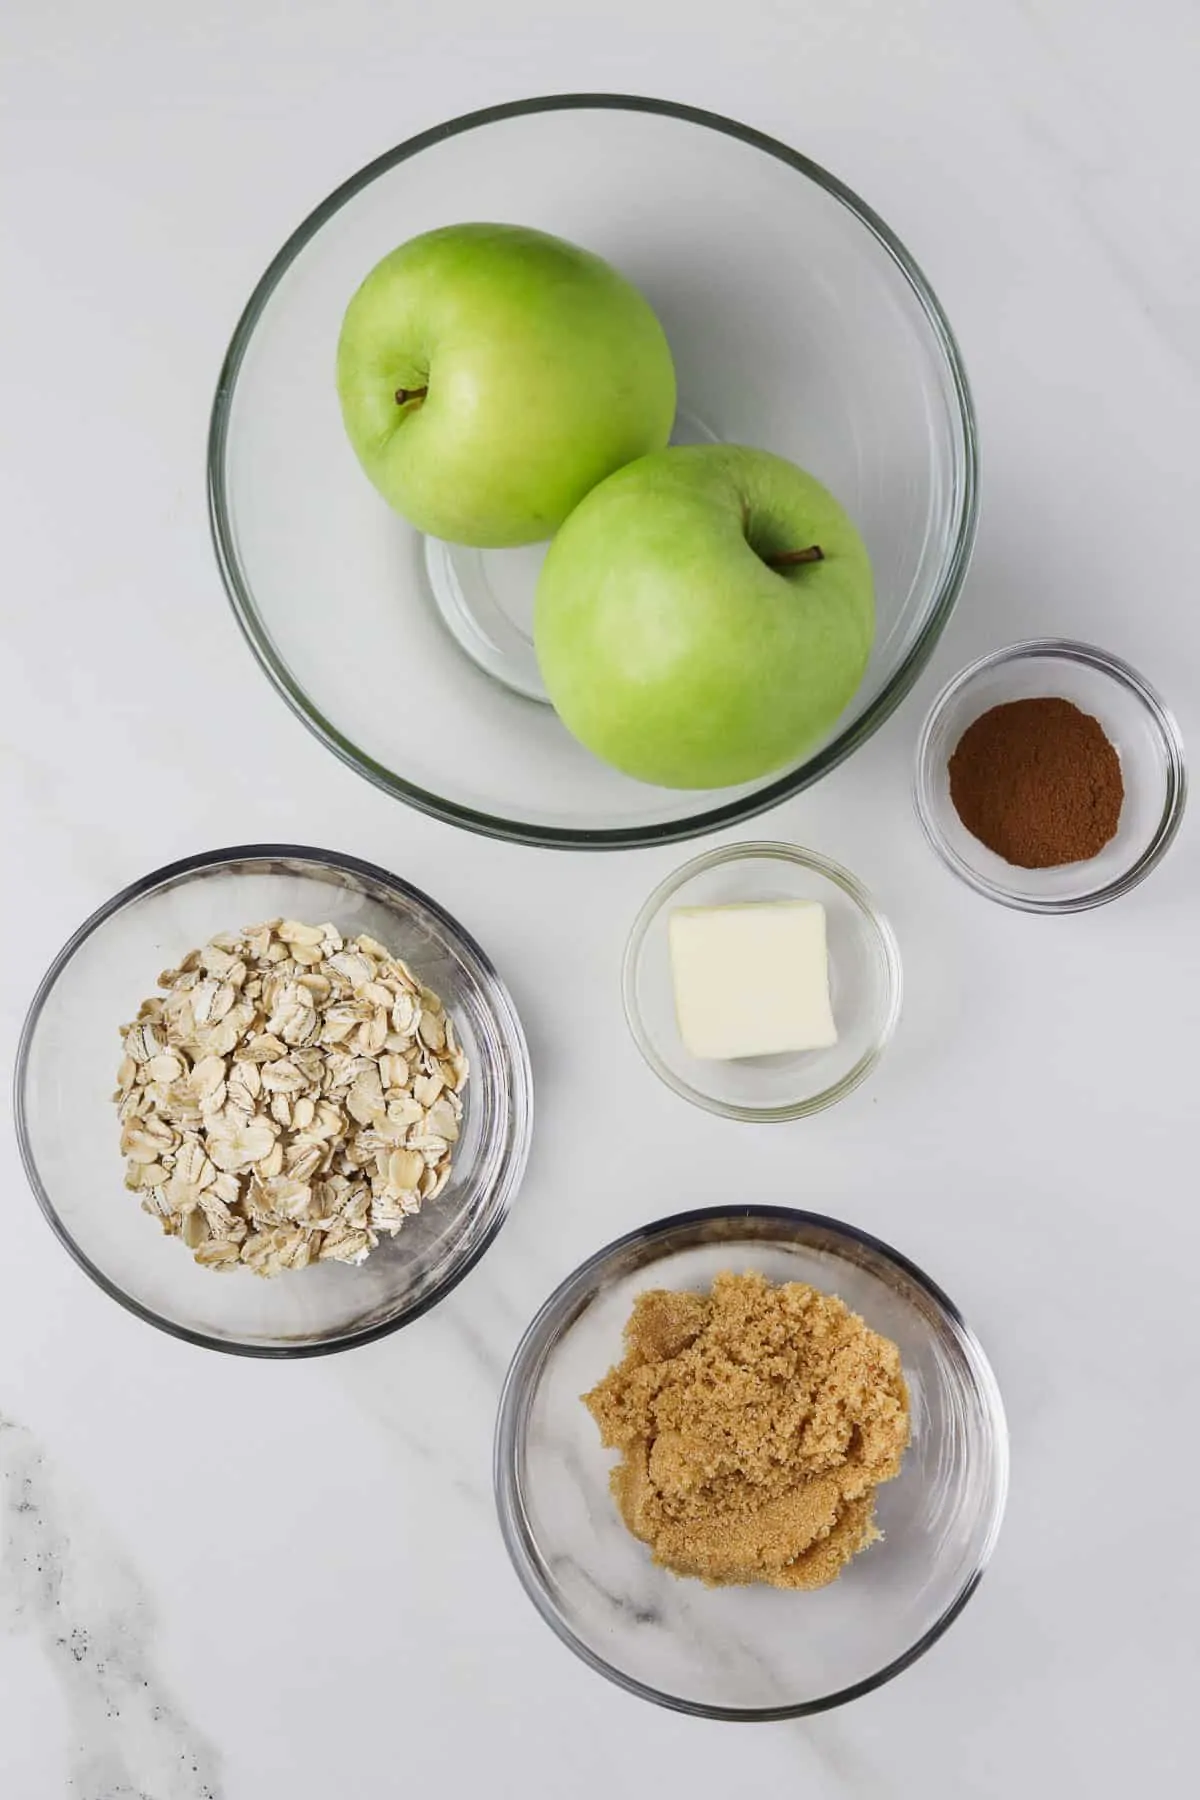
point(755, 1424)
point(1038, 782)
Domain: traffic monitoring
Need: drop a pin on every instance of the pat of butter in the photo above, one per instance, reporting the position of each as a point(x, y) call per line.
point(751, 980)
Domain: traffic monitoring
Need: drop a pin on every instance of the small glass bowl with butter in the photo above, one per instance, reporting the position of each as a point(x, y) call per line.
point(762, 982)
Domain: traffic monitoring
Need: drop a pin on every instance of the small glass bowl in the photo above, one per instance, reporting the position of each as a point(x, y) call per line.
point(748, 1653)
point(68, 1131)
point(864, 980)
point(1135, 721)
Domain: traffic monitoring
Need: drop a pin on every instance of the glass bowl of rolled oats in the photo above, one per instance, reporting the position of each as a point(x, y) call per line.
point(274, 1100)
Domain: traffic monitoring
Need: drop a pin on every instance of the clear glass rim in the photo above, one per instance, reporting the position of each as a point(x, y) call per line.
point(766, 851)
point(561, 1310)
point(169, 875)
point(1169, 736)
point(487, 824)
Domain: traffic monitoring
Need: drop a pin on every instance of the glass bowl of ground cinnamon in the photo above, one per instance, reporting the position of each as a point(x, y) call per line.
point(750, 1462)
point(1050, 776)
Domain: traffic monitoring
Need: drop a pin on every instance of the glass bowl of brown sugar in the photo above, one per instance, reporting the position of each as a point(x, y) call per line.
point(746, 1648)
point(1050, 776)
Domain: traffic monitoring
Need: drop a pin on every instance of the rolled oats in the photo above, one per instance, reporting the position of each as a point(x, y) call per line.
point(290, 1098)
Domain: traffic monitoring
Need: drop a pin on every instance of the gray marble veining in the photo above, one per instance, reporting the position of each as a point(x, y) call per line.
point(65, 1585)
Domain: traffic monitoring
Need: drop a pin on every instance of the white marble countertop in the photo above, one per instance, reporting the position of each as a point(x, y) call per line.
point(225, 1580)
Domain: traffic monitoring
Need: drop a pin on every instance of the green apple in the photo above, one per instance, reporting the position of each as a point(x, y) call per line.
point(704, 616)
point(490, 376)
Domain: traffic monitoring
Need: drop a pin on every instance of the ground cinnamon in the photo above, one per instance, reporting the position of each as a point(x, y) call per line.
point(1038, 782)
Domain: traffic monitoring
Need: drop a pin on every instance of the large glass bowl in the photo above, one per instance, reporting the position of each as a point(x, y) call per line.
point(799, 323)
point(68, 1130)
point(750, 1653)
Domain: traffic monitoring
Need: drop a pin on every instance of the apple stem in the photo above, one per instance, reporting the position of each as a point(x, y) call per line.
point(404, 395)
point(788, 559)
